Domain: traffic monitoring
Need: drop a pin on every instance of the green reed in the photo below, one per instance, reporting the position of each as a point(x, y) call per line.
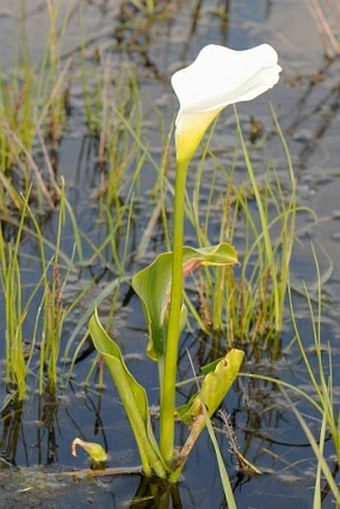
point(10, 276)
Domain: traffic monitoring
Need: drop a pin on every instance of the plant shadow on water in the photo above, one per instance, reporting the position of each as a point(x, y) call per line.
point(101, 99)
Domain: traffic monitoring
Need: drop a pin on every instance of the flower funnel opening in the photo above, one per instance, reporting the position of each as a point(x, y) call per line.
point(218, 77)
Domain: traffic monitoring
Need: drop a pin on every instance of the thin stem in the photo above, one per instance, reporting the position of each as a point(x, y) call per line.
point(167, 425)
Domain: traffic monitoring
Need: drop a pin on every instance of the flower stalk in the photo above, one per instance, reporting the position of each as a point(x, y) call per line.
point(167, 425)
point(222, 76)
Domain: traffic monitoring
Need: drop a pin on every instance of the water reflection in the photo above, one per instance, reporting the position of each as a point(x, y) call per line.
point(322, 108)
point(48, 421)
point(152, 494)
point(12, 432)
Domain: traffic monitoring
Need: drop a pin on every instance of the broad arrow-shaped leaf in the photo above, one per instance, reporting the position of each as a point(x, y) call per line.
point(153, 284)
point(133, 397)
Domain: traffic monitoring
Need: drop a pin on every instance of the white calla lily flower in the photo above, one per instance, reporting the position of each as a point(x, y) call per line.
point(218, 77)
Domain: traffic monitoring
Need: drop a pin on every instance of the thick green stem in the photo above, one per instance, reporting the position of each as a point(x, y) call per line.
point(167, 411)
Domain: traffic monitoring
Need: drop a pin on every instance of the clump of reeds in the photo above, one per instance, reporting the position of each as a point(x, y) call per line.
point(39, 339)
point(33, 102)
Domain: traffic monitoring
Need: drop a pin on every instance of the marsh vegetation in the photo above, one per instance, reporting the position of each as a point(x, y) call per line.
point(87, 167)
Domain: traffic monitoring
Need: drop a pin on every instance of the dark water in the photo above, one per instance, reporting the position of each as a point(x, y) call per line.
point(37, 435)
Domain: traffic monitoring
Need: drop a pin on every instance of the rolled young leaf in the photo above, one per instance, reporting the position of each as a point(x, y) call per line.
point(201, 406)
point(214, 388)
point(95, 451)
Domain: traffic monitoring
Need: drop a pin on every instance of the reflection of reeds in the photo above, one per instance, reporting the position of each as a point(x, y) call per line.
point(327, 20)
point(313, 103)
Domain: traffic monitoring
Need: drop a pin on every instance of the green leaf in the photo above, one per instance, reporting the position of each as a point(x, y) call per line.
point(214, 388)
point(153, 285)
point(133, 397)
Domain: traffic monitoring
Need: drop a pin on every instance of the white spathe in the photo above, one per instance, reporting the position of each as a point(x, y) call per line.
point(218, 77)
